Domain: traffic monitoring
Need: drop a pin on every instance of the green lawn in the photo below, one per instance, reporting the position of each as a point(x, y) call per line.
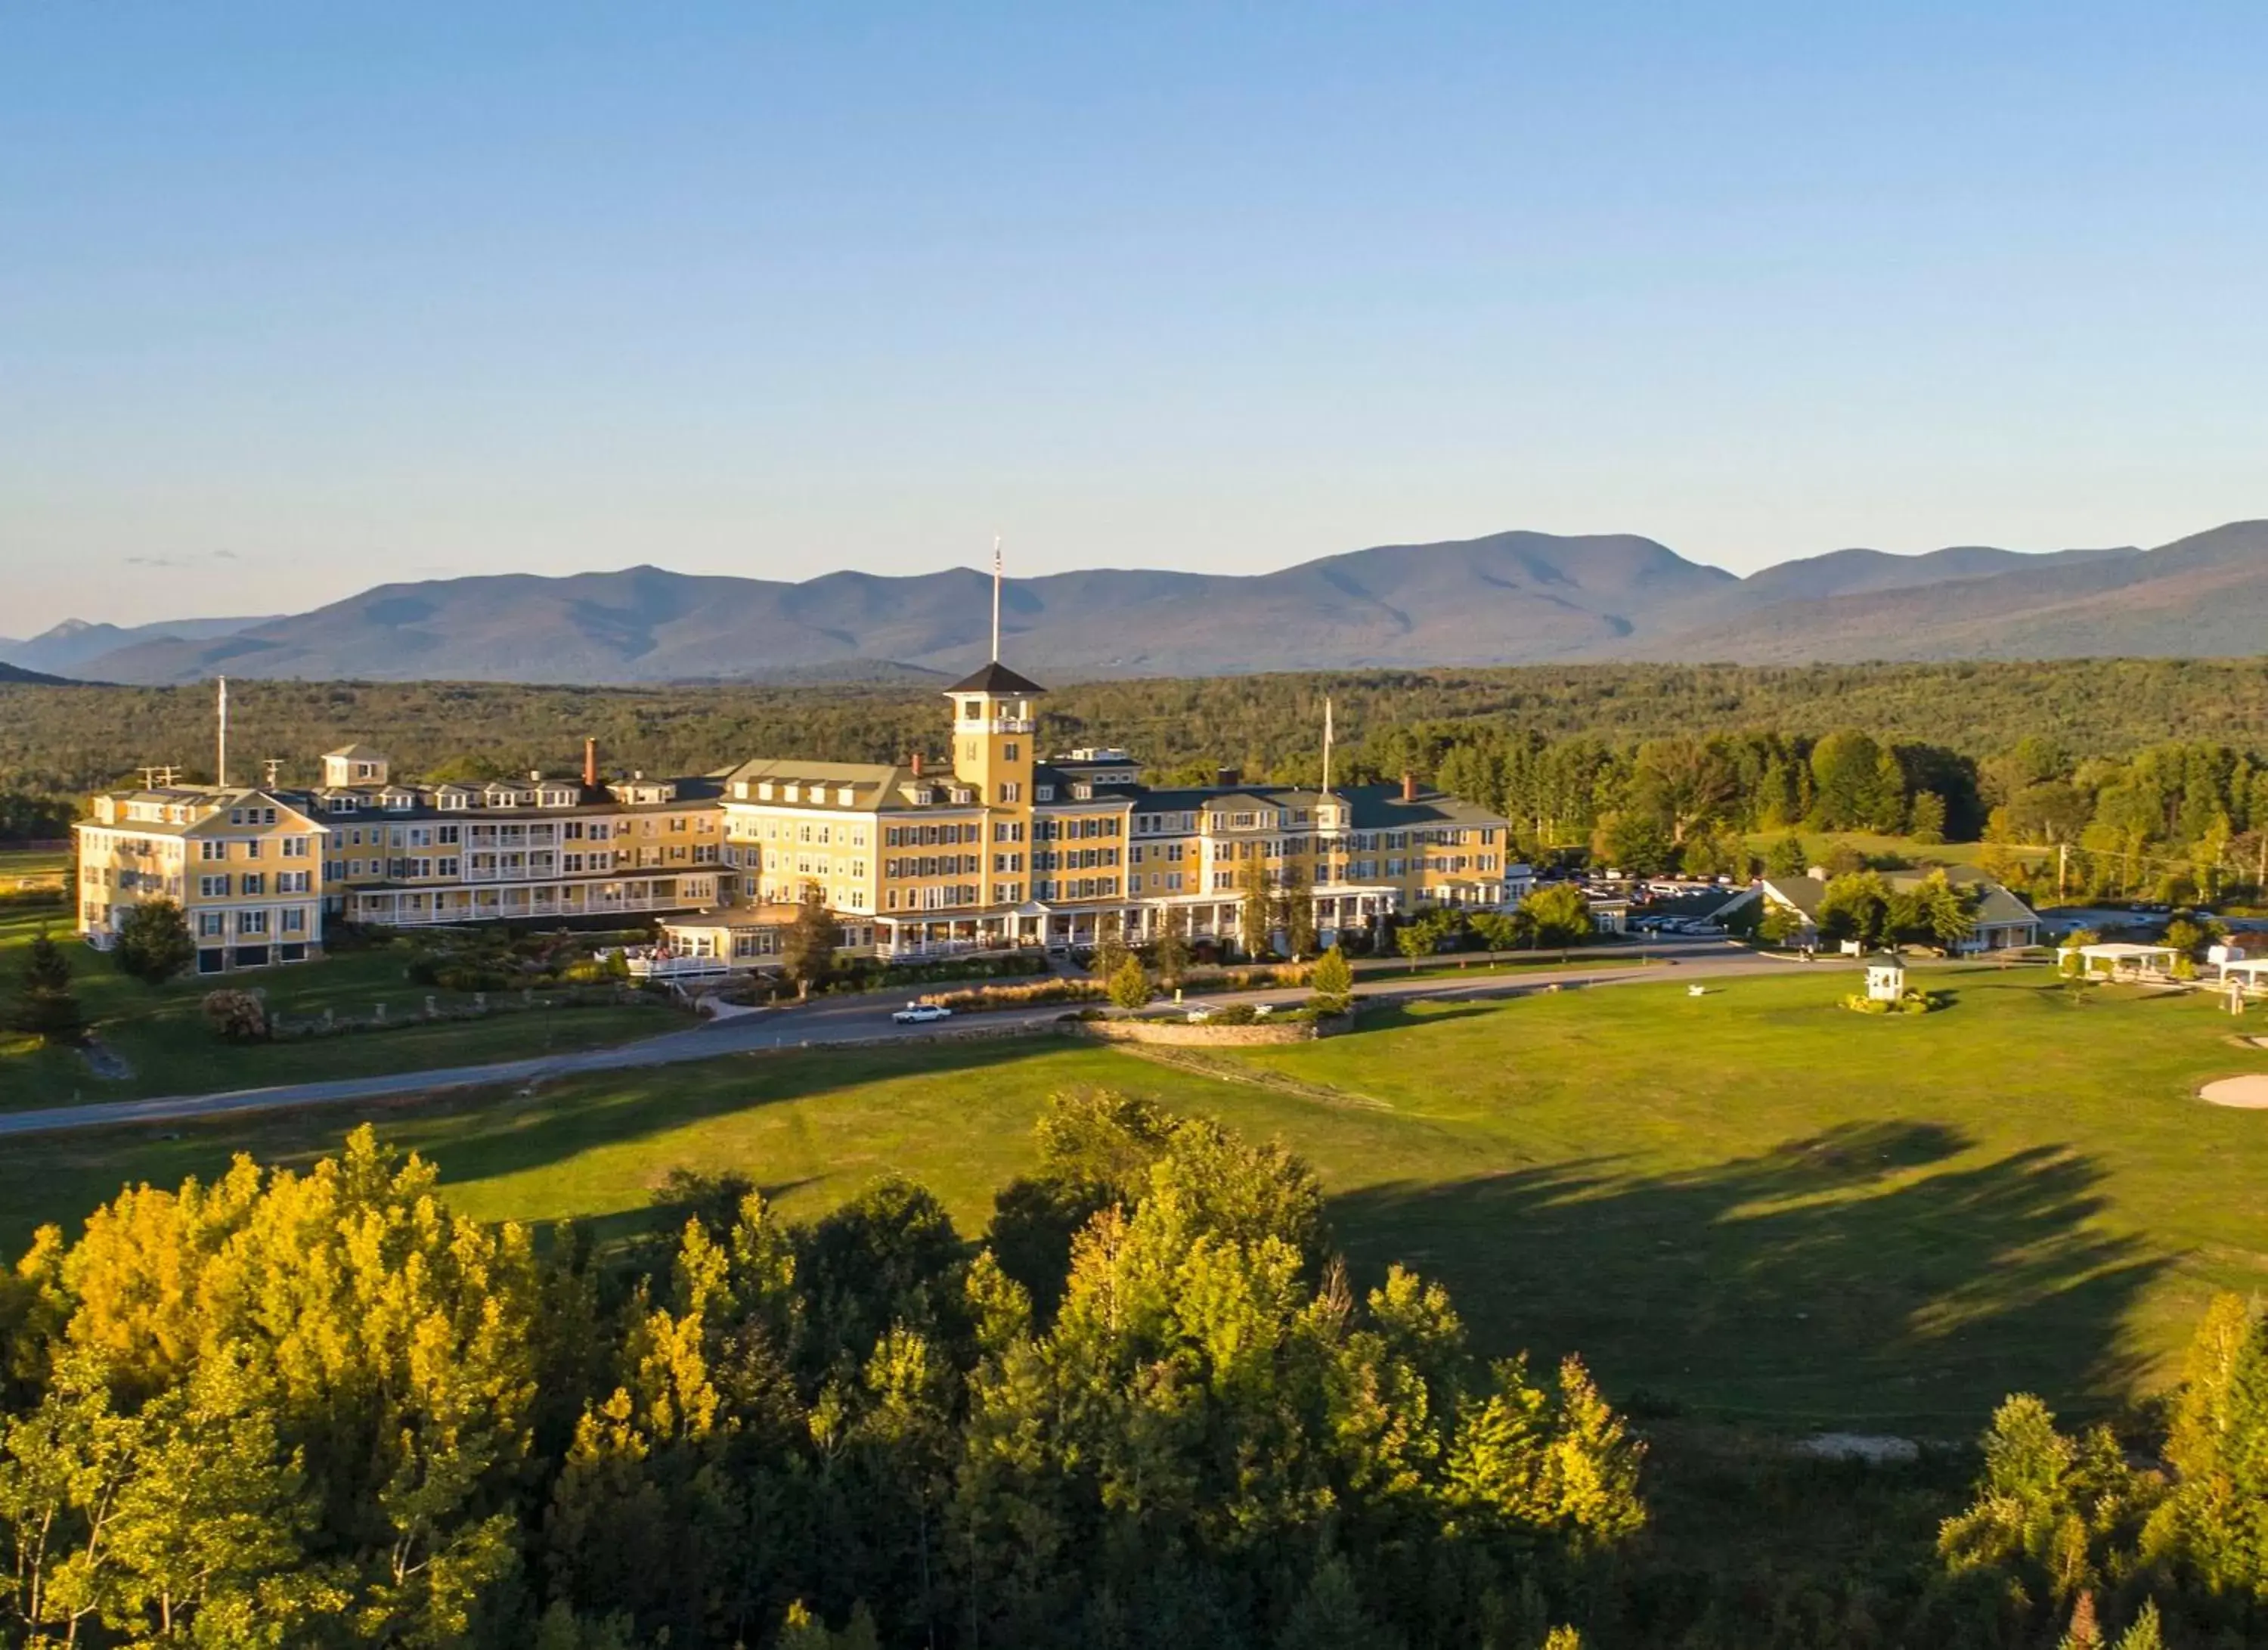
point(1750, 1205)
point(1871, 843)
point(162, 1035)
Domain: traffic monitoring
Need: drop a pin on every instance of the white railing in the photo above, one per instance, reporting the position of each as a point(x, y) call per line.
point(678, 967)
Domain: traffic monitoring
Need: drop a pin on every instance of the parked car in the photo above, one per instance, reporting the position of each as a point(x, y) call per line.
point(921, 1014)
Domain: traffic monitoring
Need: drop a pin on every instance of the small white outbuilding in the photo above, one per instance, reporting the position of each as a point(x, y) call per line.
point(1886, 979)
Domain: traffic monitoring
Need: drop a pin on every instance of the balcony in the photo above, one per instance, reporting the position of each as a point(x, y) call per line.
point(995, 725)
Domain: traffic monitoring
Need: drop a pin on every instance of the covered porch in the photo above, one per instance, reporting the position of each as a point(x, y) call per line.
point(916, 936)
point(2112, 960)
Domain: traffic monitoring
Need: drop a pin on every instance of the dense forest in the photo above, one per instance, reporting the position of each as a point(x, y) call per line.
point(63, 740)
point(1149, 1408)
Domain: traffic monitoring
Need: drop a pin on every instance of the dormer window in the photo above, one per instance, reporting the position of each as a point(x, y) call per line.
point(1043, 793)
point(763, 790)
point(843, 796)
point(794, 791)
point(962, 794)
point(1082, 791)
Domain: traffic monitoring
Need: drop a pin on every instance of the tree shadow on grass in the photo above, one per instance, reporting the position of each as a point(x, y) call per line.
point(473, 1134)
point(638, 1236)
point(1867, 1277)
point(1396, 1016)
point(499, 1132)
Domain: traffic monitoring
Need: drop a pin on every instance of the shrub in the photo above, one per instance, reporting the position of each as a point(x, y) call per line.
point(238, 1016)
point(153, 943)
point(1912, 1002)
point(1129, 984)
point(983, 999)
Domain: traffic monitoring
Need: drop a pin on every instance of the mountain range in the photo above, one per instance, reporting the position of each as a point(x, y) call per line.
point(1508, 599)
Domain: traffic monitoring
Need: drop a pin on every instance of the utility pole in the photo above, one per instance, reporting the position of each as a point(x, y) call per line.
point(2063, 866)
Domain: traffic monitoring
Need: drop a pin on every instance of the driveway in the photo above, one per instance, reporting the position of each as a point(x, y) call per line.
point(862, 1019)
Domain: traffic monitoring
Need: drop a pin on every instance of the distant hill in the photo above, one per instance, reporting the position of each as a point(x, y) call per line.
point(14, 674)
point(2202, 596)
point(1514, 595)
point(1508, 599)
point(75, 642)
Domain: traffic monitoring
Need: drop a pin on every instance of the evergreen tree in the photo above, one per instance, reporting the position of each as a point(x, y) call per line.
point(153, 943)
point(1297, 901)
point(1129, 984)
point(1787, 857)
point(1255, 913)
point(44, 1005)
point(808, 949)
point(2144, 1633)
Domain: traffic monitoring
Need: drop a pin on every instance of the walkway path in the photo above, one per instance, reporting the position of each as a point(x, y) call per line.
point(863, 1019)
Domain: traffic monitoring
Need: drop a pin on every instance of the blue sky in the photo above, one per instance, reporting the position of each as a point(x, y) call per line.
point(294, 299)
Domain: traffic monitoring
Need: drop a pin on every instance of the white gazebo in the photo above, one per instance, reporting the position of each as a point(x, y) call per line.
point(2112, 959)
point(1886, 979)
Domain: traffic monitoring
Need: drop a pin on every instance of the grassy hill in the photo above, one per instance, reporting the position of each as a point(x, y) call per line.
point(1749, 1206)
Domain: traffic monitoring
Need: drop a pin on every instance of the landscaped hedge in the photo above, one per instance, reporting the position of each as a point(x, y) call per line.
point(984, 999)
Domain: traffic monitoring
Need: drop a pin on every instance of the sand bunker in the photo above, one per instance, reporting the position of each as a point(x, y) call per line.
point(2251, 1093)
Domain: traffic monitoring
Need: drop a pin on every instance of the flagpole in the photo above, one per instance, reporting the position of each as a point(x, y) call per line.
point(1326, 745)
point(996, 598)
point(222, 739)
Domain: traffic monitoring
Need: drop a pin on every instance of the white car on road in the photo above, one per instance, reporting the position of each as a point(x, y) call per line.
point(921, 1014)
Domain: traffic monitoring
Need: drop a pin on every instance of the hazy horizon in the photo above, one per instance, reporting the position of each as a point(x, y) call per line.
point(295, 304)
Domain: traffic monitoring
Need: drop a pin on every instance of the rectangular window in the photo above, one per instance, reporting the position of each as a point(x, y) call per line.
point(252, 921)
point(211, 924)
point(252, 849)
point(213, 888)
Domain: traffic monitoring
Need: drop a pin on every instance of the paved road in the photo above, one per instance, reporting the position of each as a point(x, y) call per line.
point(865, 1018)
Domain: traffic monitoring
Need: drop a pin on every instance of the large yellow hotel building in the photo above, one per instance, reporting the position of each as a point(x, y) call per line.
point(997, 849)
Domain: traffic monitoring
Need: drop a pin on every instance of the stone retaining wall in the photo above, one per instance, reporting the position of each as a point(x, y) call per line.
point(1180, 1034)
point(1175, 1032)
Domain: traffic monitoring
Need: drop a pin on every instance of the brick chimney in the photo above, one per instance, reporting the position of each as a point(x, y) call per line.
point(590, 764)
point(913, 762)
point(1228, 778)
point(1409, 786)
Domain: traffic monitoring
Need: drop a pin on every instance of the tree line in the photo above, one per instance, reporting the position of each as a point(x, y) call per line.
point(1149, 1407)
point(2142, 776)
point(64, 741)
